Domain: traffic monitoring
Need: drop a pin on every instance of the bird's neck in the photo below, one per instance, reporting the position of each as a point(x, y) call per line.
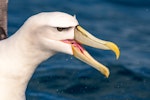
point(19, 60)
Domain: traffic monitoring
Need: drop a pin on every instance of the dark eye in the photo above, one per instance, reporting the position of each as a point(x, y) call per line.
point(60, 29)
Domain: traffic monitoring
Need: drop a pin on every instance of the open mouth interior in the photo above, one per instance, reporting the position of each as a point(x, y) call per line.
point(80, 53)
point(74, 44)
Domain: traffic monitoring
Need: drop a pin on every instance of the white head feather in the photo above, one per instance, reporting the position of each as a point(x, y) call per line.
point(34, 42)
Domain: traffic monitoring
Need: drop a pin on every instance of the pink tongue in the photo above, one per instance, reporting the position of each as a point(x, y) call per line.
point(75, 44)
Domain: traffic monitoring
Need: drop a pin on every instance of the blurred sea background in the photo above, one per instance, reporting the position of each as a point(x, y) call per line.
point(62, 77)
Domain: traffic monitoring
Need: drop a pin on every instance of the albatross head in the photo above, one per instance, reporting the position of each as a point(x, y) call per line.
point(61, 32)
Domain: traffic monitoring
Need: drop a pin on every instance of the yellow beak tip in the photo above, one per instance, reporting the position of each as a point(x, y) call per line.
point(117, 54)
point(107, 75)
point(114, 48)
point(105, 71)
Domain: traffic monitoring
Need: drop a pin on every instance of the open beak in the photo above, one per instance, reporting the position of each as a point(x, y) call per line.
point(84, 37)
point(81, 36)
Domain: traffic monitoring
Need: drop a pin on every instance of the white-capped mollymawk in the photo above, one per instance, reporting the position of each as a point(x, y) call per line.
point(39, 38)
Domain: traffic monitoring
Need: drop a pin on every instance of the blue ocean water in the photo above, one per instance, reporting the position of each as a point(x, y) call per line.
point(62, 77)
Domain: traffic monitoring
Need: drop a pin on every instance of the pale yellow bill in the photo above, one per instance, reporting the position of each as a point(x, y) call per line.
point(87, 58)
point(84, 37)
